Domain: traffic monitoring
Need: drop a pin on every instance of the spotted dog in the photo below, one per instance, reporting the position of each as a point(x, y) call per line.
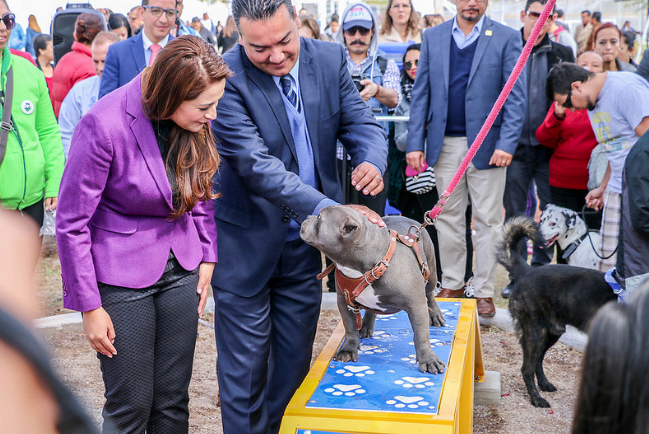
point(564, 226)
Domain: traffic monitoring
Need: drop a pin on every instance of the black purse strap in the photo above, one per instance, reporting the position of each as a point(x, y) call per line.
point(5, 126)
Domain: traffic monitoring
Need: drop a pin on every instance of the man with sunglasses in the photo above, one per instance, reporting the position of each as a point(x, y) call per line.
point(128, 58)
point(618, 108)
point(531, 162)
point(376, 78)
point(464, 65)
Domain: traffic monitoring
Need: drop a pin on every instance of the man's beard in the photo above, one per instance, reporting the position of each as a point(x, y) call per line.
point(472, 18)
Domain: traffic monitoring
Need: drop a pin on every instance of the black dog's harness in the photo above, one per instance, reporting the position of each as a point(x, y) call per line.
point(352, 287)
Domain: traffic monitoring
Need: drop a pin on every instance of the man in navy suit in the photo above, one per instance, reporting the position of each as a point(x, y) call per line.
point(286, 104)
point(128, 58)
point(464, 65)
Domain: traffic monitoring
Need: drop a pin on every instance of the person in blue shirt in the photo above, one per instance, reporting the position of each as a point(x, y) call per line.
point(85, 93)
point(17, 40)
point(183, 29)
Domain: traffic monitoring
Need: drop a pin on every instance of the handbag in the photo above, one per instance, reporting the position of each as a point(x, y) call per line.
point(420, 183)
point(597, 166)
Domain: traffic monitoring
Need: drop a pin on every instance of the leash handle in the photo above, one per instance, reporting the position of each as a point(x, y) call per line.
point(431, 216)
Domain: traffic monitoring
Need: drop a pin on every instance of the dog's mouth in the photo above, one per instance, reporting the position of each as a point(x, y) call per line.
point(551, 241)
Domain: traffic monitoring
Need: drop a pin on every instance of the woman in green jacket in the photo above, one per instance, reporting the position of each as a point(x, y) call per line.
point(33, 161)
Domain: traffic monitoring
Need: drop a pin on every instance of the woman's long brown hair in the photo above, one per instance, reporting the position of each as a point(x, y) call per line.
point(413, 22)
point(181, 72)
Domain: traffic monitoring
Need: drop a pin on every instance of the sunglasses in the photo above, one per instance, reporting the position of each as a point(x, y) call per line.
point(157, 12)
point(535, 15)
point(568, 102)
point(363, 31)
point(10, 20)
point(409, 64)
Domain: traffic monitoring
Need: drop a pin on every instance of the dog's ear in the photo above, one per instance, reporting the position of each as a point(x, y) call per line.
point(571, 219)
point(348, 226)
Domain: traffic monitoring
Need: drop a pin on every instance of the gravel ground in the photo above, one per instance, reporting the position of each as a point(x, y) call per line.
point(79, 367)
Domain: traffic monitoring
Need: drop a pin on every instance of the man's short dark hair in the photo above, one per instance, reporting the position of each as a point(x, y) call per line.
point(559, 13)
point(561, 77)
point(529, 3)
point(597, 16)
point(256, 10)
point(586, 11)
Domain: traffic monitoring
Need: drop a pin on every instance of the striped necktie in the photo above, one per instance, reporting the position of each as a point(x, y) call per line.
point(287, 86)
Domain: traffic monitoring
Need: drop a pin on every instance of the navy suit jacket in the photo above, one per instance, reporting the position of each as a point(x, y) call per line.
point(125, 60)
point(495, 57)
point(258, 176)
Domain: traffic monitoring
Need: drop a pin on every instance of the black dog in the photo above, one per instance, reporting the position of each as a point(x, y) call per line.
point(546, 299)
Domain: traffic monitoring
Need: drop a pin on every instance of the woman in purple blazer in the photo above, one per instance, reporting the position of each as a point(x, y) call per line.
point(137, 236)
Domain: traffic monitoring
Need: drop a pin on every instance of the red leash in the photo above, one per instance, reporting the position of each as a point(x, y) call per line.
point(430, 217)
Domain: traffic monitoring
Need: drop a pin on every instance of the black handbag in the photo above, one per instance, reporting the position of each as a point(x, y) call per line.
point(420, 183)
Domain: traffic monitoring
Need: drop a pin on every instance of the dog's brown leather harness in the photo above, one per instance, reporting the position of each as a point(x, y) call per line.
point(352, 287)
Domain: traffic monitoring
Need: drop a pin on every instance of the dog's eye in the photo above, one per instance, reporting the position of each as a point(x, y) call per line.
point(553, 223)
point(319, 217)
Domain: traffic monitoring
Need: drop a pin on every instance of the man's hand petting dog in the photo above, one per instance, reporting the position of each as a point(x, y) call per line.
point(355, 244)
point(371, 215)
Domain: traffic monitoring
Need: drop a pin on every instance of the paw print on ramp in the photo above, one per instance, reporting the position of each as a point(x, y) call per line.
point(358, 371)
point(433, 343)
point(413, 402)
point(417, 382)
point(345, 389)
point(371, 349)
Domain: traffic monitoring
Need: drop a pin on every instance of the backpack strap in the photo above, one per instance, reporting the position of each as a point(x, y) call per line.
point(5, 126)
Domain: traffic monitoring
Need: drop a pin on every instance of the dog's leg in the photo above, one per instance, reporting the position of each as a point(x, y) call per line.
point(544, 383)
point(428, 360)
point(368, 325)
point(532, 343)
point(349, 349)
point(436, 317)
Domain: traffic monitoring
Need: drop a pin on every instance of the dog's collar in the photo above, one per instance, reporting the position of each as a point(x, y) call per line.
point(573, 246)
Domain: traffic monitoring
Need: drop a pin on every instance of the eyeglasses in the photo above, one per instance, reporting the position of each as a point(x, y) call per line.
point(409, 64)
point(568, 102)
point(363, 31)
point(10, 20)
point(400, 6)
point(157, 12)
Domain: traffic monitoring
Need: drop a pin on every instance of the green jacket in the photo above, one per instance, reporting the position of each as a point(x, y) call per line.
point(33, 164)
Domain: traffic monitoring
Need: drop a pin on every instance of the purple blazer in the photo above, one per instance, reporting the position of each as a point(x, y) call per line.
point(114, 200)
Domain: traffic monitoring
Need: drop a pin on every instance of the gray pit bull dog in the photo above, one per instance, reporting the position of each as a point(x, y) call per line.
point(356, 245)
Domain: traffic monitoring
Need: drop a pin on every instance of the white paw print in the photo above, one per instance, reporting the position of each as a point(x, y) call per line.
point(411, 358)
point(345, 389)
point(433, 342)
point(417, 382)
point(381, 334)
point(386, 318)
point(409, 401)
point(371, 349)
point(358, 371)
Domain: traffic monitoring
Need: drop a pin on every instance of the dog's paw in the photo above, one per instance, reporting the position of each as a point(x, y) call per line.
point(432, 364)
point(367, 331)
point(436, 318)
point(346, 355)
point(540, 402)
point(547, 387)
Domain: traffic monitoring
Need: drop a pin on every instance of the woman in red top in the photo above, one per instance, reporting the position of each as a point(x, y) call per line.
point(570, 134)
point(77, 64)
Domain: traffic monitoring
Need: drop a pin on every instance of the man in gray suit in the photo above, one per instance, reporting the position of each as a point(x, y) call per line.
point(284, 108)
point(464, 65)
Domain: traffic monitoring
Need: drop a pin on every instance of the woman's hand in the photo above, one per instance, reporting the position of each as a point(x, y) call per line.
point(99, 331)
point(416, 160)
point(50, 203)
point(205, 271)
point(559, 110)
point(595, 198)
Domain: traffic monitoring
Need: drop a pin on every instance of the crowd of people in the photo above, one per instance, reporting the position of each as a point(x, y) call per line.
point(123, 129)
